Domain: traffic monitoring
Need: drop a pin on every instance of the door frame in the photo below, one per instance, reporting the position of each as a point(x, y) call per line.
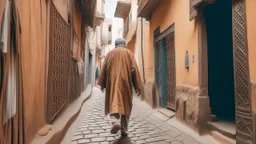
point(157, 38)
point(244, 120)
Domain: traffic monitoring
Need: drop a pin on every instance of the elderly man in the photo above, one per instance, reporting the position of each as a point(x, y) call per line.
point(118, 76)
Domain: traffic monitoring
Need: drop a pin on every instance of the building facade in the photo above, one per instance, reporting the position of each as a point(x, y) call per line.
point(43, 57)
point(202, 51)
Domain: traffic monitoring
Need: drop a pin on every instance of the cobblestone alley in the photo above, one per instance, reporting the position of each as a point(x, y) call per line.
point(94, 127)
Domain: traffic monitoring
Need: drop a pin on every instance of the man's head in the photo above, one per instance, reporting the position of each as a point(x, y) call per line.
point(120, 42)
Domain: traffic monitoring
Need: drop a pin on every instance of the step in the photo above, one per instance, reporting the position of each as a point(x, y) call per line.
point(168, 113)
point(222, 139)
point(226, 128)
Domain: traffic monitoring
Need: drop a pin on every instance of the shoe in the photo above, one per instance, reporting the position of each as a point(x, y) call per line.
point(115, 129)
point(124, 134)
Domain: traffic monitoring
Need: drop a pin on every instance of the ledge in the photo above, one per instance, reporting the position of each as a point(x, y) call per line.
point(123, 8)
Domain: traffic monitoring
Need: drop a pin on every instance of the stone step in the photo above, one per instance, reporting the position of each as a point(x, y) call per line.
point(168, 113)
point(227, 129)
point(222, 139)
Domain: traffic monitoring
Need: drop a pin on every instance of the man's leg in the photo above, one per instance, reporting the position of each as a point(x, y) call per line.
point(115, 120)
point(124, 125)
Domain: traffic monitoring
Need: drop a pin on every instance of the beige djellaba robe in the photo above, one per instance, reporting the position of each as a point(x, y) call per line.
point(119, 75)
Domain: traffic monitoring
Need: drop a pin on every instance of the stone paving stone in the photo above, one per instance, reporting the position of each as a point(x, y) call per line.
point(82, 141)
point(110, 139)
point(99, 139)
point(77, 133)
point(86, 132)
point(91, 136)
point(98, 131)
point(74, 142)
point(141, 142)
point(143, 127)
point(77, 137)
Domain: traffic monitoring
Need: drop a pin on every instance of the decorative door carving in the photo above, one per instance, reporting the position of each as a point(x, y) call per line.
point(59, 59)
point(171, 71)
point(244, 123)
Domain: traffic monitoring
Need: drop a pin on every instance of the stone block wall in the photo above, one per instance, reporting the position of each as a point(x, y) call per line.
point(191, 108)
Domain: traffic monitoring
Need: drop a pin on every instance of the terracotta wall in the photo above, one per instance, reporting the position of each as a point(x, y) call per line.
point(186, 38)
point(251, 32)
point(131, 45)
point(77, 20)
point(33, 49)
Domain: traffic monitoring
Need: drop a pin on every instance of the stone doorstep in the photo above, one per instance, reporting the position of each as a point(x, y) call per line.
point(168, 113)
point(64, 120)
point(227, 129)
point(221, 138)
point(205, 139)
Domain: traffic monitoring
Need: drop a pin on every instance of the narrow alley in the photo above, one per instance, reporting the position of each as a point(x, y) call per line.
point(127, 72)
point(94, 127)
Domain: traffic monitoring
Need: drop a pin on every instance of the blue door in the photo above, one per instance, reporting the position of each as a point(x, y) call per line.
point(160, 72)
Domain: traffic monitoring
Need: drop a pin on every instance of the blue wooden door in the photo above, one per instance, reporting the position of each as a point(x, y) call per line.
point(160, 72)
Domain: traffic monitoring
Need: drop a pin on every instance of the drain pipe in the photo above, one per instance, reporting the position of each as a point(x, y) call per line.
point(142, 53)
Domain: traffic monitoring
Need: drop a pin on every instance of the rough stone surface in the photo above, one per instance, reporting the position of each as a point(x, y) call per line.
point(144, 127)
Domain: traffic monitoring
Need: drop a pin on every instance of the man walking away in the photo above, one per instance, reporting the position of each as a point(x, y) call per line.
point(118, 76)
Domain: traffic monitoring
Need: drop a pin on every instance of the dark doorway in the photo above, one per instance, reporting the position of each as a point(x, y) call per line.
point(90, 69)
point(218, 19)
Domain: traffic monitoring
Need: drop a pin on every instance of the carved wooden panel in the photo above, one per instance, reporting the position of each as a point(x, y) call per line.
point(171, 71)
point(241, 68)
point(59, 59)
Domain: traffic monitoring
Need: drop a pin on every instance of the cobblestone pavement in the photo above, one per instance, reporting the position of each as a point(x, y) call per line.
point(94, 126)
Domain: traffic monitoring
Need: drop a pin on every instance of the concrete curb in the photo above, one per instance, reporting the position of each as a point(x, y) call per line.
point(57, 136)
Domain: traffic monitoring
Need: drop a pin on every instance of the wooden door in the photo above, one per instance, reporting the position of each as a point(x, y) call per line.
point(158, 70)
point(244, 124)
point(171, 71)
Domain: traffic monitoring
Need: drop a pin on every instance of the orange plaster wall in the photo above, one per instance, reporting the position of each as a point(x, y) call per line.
point(186, 38)
point(131, 46)
point(33, 55)
point(251, 33)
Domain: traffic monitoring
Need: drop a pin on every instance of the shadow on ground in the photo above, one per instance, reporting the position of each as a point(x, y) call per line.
point(123, 140)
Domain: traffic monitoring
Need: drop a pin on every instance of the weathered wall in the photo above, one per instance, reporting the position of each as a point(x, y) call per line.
point(131, 45)
point(77, 20)
point(33, 49)
point(251, 32)
point(186, 37)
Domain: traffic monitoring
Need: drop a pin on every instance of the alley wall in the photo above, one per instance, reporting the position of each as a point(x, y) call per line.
point(251, 33)
point(33, 57)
